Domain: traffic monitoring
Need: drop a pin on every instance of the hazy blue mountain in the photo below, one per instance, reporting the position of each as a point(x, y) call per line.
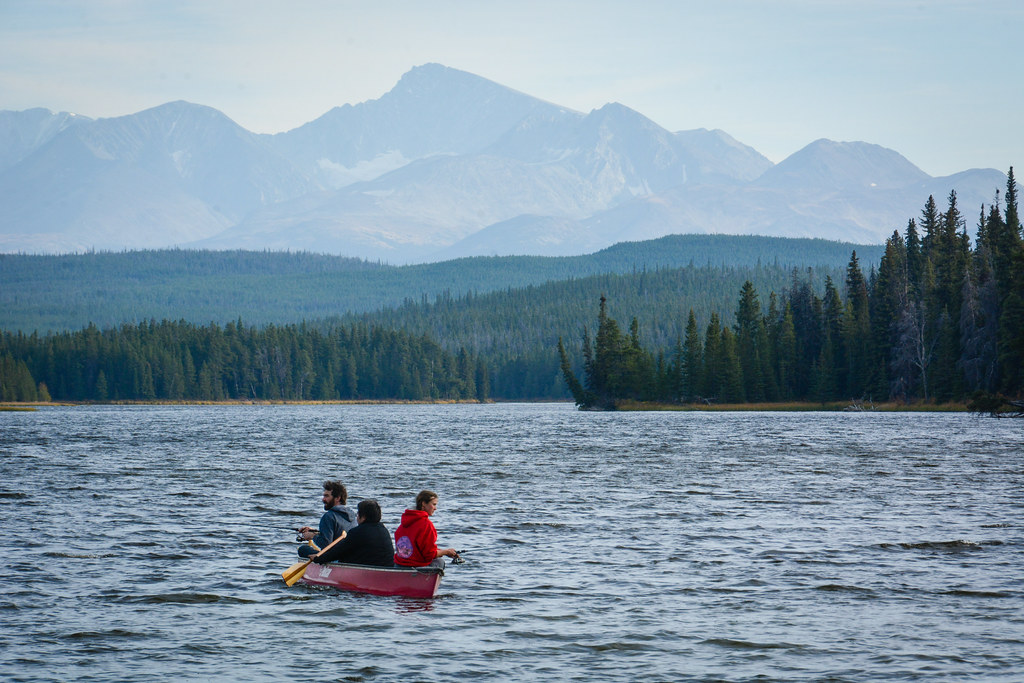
point(432, 110)
point(720, 158)
point(445, 164)
point(857, 212)
point(23, 132)
point(555, 165)
point(165, 176)
point(522, 236)
point(826, 165)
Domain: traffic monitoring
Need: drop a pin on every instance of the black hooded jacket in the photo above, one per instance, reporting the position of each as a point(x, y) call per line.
point(369, 543)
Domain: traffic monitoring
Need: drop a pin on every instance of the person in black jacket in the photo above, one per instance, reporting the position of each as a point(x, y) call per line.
point(368, 543)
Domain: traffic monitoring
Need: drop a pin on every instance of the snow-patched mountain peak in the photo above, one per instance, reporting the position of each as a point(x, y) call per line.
point(721, 158)
point(433, 109)
point(443, 159)
point(829, 164)
point(23, 132)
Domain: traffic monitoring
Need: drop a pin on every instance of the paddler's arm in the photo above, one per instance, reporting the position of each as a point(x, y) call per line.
point(330, 551)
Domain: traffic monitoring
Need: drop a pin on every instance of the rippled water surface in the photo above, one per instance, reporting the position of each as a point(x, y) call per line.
point(146, 543)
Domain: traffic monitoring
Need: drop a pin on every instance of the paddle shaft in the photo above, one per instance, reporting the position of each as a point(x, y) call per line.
point(295, 572)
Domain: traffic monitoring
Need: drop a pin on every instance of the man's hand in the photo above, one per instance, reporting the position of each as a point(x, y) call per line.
point(316, 558)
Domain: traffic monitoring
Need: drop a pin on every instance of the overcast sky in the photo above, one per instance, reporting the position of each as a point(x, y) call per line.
point(938, 81)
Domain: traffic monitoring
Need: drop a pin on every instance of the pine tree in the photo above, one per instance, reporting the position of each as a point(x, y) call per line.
point(1011, 318)
point(949, 259)
point(693, 359)
point(711, 373)
point(890, 289)
point(929, 225)
point(978, 318)
point(730, 372)
point(834, 320)
point(857, 333)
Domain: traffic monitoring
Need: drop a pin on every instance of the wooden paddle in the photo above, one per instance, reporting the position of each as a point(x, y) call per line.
point(295, 572)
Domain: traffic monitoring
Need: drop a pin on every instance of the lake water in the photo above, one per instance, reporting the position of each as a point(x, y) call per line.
point(146, 544)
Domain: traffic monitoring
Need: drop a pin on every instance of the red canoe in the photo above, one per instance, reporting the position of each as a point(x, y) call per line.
point(418, 582)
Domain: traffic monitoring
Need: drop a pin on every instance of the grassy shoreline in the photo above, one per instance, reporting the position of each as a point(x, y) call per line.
point(32, 405)
point(789, 406)
point(799, 406)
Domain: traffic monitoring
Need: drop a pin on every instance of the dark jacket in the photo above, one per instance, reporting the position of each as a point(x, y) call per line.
point(339, 518)
point(369, 543)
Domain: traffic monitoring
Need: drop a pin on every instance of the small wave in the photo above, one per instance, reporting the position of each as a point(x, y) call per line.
point(616, 647)
point(750, 645)
point(184, 599)
point(113, 633)
point(954, 546)
point(13, 495)
point(840, 588)
point(81, 556)
point(979, 594)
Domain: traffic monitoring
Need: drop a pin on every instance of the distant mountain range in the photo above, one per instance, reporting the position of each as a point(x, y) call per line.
point(445, 165)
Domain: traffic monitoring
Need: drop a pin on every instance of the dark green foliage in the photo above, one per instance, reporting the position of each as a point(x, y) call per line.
point(41, 293)
point(181, 361)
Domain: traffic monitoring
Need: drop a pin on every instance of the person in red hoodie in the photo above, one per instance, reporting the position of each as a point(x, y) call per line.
point(416, 537)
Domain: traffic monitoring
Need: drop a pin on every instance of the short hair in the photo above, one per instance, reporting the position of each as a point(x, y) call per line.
point(425, 496)
point(369, 510)
point(337, 490)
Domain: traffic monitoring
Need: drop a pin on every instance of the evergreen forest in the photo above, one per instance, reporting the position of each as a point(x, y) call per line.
point(41, 293)
point(181, 361)
point(937, 321)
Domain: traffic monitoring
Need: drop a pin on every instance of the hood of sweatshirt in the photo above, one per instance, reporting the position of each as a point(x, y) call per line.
point(345, 512)
point(413, 517)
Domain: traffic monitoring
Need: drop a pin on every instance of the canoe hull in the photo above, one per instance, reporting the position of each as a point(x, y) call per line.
point(420, 582)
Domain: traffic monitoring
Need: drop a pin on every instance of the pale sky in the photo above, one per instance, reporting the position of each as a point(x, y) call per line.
point(938, 80)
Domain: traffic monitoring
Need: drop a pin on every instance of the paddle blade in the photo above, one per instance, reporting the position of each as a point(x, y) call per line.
point(294, 573)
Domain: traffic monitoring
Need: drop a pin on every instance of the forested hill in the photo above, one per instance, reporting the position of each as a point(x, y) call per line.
point(515, 332)
point(67, 292)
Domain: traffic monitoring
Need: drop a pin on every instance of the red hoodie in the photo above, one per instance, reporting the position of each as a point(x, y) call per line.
point(415, 540)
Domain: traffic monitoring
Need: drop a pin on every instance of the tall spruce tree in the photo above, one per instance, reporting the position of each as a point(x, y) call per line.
point(693, 358)
point(1011, 319)
point(858, 343)
point(748, 349)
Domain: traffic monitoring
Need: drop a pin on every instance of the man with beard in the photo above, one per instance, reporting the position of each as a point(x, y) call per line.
point(334, 523)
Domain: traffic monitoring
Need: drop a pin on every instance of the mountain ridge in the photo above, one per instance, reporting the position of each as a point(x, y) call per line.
point(444, 164)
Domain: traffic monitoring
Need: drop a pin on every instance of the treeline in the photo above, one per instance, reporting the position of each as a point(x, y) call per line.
point(515, 331)
point(68, 292)
point(182, 361)
point(937, 321)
